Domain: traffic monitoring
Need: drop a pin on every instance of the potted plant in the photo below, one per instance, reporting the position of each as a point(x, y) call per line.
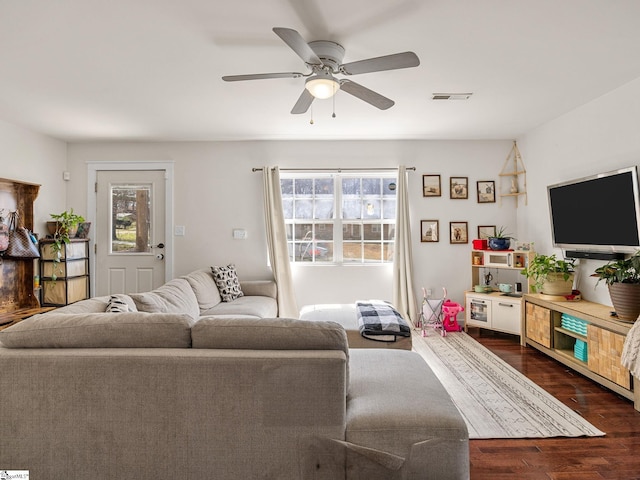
point(551, 276)
point(623, 279)
point(66, 226)
point(501, 240)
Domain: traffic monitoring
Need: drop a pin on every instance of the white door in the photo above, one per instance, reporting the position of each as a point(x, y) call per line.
point(130, 229)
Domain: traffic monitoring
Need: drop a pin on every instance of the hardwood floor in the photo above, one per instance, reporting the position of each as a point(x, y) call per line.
point(614, 456)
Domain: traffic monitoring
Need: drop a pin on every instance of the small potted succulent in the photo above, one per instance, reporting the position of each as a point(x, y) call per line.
point(551, 276)
point(501, 240)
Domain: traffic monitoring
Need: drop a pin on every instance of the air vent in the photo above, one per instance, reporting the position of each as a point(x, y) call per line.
point(451, 96)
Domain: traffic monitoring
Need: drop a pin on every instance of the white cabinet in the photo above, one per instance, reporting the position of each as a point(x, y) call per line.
point(494, 311)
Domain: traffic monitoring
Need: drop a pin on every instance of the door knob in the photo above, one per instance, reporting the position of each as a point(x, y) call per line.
point(160, 245)
point(160, 256)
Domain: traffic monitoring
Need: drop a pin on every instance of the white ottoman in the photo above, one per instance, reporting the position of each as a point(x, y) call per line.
point(345, 314)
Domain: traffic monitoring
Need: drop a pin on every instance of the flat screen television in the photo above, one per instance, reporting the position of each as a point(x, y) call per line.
point(599, 214)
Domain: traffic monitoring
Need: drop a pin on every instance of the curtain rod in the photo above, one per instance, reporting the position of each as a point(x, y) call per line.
point(381, 169)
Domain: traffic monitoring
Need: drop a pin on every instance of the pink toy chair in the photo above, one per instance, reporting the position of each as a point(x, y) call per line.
point(450, 311)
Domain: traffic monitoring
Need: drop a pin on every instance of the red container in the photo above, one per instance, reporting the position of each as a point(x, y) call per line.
point(480, 244)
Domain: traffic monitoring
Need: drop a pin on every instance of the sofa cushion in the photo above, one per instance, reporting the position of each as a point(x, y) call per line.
point(226, 279)
point(205, 288)
point(268, 334)
point(175, 296)
point(100, 330)
point(261, 307)
point(119, 303)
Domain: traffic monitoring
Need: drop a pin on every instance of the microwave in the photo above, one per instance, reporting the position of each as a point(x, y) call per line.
point(498, 259)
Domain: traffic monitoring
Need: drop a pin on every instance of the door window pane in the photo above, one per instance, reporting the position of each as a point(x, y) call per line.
point(130, 219)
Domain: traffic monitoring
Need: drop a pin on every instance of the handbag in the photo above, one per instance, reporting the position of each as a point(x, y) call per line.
point(21, 244)
point(4, 234)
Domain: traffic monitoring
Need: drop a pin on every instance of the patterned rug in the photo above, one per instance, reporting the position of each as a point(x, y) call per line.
point(496, 400)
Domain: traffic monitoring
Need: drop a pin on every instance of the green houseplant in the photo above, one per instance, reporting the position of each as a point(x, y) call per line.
point(66, 226)
point(551, 276)
point(501, 240)
point(623, 280)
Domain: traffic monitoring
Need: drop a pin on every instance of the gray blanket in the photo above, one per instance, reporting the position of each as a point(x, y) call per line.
point(378, 320)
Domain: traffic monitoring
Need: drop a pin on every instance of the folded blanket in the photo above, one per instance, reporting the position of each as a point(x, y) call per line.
point(378, 320)
point(631, 350)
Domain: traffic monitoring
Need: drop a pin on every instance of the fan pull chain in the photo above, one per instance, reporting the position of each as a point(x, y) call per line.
point(333, 115)
point(311, 110)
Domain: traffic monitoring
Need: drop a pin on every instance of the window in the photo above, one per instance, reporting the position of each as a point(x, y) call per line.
point(339, 218)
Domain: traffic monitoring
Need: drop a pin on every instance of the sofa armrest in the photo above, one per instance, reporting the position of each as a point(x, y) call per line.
point(261, 288)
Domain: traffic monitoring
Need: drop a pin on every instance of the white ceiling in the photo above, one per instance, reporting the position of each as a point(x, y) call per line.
point(84, 70)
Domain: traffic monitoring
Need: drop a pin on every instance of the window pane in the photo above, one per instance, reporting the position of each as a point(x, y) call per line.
point(389, 209)
point(287, 208)
point(304, 209)
point(324, 186)
point(324, 231)
point(351, 186)
point(371, 186)
point(324, 209)
point(130, 218)
point(352, 231)
point(372, 251)
point(371, 209)
point(351, 251)
point(389, 232)
point(389, 186)
point(351, 209)
point(304, 186)
point(372, 232)
point(286, 186)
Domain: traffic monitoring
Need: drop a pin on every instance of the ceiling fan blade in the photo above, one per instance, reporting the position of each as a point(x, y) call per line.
point(298, 45)
point(363, 93)
point(378, 64)
point(304, 102)
point(261, 76)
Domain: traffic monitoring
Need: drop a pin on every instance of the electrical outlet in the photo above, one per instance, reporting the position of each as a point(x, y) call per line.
point(429, 292)
point(239, 233)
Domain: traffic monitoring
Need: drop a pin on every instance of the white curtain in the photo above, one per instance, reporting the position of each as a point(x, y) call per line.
point(404, 298)
point(277, 242)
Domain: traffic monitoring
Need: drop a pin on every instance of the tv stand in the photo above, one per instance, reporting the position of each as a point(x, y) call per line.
point(589, 326)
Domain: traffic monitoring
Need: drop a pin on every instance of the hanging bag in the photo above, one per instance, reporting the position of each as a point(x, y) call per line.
point(4, 234)
point(21, 244)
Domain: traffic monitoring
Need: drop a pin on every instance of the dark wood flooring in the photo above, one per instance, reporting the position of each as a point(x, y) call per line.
point(614, 456)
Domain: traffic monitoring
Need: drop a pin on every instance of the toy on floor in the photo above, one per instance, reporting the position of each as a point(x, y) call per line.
point(450, 311)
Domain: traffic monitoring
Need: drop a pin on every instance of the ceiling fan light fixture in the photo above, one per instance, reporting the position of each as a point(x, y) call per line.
point(322, 85)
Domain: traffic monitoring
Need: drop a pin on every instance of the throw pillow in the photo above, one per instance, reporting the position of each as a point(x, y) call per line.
point(226, 279)
point(120, 304)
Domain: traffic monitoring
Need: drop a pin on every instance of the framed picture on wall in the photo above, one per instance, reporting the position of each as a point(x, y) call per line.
point(429, 230)
point(459, 187)
point(486, 191)
point(486, 231)
point(459, 232)
point(431, 186)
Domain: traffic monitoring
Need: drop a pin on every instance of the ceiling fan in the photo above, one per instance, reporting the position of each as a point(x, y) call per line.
point(324, 59)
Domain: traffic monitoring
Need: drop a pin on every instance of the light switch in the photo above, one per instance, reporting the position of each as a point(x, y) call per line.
point(239, 234)
point(179, 231)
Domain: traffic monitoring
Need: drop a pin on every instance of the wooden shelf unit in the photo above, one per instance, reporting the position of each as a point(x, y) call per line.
point(18, 299)
point(604, 339)
point(72, 272)
point(517, 175)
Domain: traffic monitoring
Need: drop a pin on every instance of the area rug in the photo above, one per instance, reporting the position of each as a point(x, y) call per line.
point(495, 399)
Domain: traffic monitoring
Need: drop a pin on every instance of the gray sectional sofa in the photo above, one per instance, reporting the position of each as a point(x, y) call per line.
point(202, 391)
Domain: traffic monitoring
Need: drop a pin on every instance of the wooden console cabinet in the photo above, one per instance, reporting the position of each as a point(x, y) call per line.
point(18, 299)
point(592, 328)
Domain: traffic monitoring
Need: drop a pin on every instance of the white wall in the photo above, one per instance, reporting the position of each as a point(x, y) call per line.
point(35, 158)
point(215, 191)
point(599, 136)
